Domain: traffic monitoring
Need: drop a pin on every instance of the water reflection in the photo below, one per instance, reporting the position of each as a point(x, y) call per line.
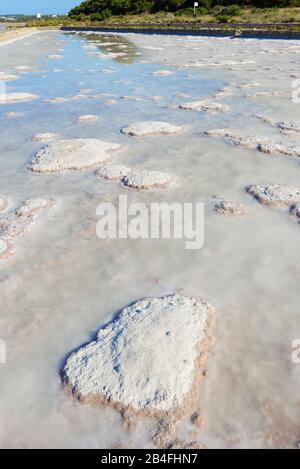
point(115, 47)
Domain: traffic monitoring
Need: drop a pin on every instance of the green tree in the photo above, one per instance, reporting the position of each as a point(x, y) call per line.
point(122, 7)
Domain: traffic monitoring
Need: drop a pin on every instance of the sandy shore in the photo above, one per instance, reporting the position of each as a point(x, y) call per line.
point(12, 35)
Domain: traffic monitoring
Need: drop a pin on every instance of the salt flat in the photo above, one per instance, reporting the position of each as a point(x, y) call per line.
point(63, 284)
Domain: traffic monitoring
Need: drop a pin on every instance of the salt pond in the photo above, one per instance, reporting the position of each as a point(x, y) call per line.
point(62, 283)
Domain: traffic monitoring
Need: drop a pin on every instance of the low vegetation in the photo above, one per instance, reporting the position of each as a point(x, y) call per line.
point(99, 10)
point(169, 13)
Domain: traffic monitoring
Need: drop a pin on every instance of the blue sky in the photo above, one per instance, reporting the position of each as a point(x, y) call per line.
point(28, 7)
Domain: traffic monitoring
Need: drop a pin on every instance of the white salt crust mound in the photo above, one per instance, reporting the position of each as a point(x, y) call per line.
point(135, 178)
point(77, 154)
point(145, 359)
point(13, 98)
point(225, 207)
point(275, 194)
point(204, 106)
point(144, 129)
point(47, 137)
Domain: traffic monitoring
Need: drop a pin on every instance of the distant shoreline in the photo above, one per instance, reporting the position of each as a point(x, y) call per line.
point(185, 29)
point(7, 36)
point(10, 35)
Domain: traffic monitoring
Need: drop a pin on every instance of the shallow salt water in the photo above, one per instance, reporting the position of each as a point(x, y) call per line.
point(63, 283)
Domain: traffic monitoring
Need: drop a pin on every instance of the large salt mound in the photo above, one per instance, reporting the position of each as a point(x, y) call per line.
point(146, 359)
point(143, 129)
point(12, 98)
point(275, 194)
point(80, 154)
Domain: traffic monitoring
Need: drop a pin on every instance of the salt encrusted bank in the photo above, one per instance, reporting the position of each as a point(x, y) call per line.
point(148, 359)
